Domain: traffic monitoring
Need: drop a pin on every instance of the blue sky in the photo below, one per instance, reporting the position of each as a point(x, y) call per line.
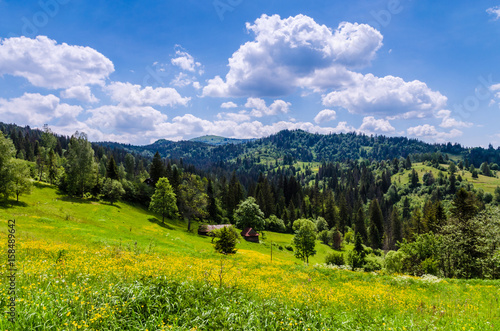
point(138, 71)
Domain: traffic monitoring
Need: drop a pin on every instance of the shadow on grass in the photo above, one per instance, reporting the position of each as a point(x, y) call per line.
point(5, 204)
point(74, 200)
point(105, 203)
point(160, 223)
point(41, 185)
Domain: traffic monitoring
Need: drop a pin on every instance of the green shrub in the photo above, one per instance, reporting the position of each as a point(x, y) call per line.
point(275, 224)
point(429, 266)
point(355, 260)
point(321, 224)
point(324, 237)
point(349, 237)
point(394, 261)
point(335, 258)
point(289, 248)
point(372, 264)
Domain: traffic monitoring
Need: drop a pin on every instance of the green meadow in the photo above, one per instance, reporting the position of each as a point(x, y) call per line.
point(90, 265)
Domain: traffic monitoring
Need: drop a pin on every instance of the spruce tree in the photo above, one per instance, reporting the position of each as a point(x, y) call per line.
point(376, 224)
point(212, 205)
point(396, 228)
point(112, 169)
point(408, 163)
point(156, 170)
point(359, 225)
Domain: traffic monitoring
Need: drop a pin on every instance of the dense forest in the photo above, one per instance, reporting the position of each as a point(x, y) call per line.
point(434, 221)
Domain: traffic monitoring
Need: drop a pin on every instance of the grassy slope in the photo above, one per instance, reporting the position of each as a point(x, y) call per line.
point(100, 291)
point(47, 215)
point(487, 184)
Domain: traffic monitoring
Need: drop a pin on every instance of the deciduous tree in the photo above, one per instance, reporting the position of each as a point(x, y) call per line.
point(79, 165)
point(7, 152)
point(164, 201)
point(249, 215)
point(192, 199)
point(20, 181)
point(112, 190)
point(305, 241)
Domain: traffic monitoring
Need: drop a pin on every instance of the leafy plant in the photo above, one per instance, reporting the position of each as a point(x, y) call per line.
point(335, 258)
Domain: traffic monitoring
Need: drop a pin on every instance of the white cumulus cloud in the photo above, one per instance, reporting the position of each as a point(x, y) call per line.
point(450, 122)
point(387, 96)
point(429, 132)
point(82, 93)
point(259, 109)
point(286, 53)
point(125, 120)
point(36, 110)
point(298, 53)
point(134, 95)
point(325, 115)
point(372, 125)
point(185, 61)
point(44, 63)
point(241, 116)
point(229, 104)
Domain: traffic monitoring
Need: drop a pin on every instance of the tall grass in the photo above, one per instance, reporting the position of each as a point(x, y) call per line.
point(69, 286)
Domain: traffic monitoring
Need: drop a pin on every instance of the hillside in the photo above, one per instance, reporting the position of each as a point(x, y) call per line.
point(91, 265)
point(47, 215)
point(301, 146)
point(288, 146)
point(217, 140)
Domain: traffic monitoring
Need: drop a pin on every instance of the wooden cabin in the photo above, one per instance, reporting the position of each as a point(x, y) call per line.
point(250, 235)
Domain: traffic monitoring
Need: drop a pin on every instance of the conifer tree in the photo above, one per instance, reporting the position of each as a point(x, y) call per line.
point(156, 170)
point(212, 204)
point(396, 228)
point(376, 224)
point(359, 225)
point(112, 169)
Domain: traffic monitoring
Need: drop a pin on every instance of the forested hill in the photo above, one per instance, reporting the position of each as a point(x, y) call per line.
point(286, 146)
point(298, 145)
point(217, 140)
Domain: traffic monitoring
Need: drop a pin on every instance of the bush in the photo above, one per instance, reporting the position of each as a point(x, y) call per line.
point(323, 236)
point(273, 223)
point(429, 266)
point(335, 258)
point(394, 261)
point(349, 237)
point(487, 198)
point(289, 248)
point(355, 260)
point(321, 224)
point(372, 264)
point(377, 252)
